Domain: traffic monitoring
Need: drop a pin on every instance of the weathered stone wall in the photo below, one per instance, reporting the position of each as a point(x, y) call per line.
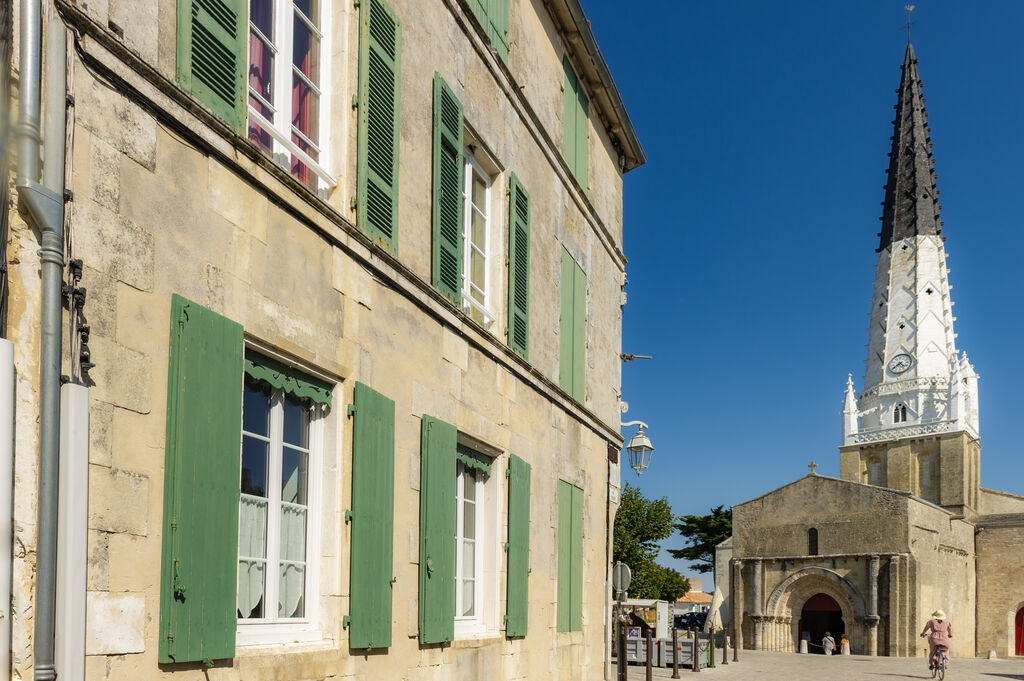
point(1000, 581)
point(943, 548)
point(993, 502)
point(163, 205)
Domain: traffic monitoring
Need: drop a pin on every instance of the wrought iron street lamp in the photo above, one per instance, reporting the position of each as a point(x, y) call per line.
point(639, 448)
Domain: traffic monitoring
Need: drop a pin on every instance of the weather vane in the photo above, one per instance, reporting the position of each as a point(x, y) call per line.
point(908, 9)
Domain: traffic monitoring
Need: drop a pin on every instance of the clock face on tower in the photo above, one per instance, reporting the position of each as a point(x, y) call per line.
point(900, 363)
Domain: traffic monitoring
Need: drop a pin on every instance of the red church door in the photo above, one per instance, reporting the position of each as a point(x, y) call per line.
point(1019, 631)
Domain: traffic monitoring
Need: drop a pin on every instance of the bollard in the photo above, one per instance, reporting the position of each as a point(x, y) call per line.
point(650, 656)
point(725, 648)
point(695, 658)
point(623, 662)
point(803, 646)
point(735, 648)
point(675, 653)
point(711, 648)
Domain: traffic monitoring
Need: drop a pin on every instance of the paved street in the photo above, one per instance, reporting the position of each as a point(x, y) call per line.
point(793, 667)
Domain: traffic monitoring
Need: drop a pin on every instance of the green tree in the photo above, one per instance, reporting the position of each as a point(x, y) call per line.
point(640, 525)
point(703, 532)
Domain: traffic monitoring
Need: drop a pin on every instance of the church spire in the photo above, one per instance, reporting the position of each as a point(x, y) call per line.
point(911, 206)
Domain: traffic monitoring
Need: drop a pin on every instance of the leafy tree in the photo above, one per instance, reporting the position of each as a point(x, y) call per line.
point(640, 525)
point(703, 532)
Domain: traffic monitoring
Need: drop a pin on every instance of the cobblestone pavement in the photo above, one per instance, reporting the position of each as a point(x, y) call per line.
point(794, 667)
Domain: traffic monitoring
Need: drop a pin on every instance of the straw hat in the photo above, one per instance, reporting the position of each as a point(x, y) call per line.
point(939, 614)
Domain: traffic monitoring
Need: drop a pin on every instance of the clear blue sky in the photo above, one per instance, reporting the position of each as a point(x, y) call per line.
point(751, 231)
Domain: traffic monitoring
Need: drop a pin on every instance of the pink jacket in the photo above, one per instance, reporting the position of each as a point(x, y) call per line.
point(940, 632)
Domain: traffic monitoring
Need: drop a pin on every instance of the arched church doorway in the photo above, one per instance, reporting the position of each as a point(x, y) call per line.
point(1018, 630)
point(821, 613)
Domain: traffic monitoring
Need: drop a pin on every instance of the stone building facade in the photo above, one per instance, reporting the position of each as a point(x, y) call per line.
point(908, 529)
point(387, 241)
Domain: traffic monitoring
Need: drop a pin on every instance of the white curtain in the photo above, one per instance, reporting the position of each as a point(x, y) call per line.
point(252, 543)
point(293, 548)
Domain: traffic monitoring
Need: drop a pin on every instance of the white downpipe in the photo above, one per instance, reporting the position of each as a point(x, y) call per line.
point(72, 532)
point(6, 498)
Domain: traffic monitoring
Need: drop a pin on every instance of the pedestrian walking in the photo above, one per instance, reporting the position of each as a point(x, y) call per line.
point(828, 643)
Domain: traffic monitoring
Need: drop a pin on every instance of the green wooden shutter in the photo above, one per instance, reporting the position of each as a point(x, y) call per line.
point(565, 322)
point(373, 510)
point(380, 47)
point(437, 530)
point(569, 118)
point(563, 594)
point(579, 333)
point(576, 562)
point(447, 213)
point(213, 54)
point(519, 268)
point(199, 564)
point(582, 130)
point(517, 601)
point(497, 26)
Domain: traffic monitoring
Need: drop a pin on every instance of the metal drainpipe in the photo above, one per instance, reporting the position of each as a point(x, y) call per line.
point(45, 206)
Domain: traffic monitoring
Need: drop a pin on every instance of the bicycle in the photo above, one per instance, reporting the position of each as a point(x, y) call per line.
point(941, 663)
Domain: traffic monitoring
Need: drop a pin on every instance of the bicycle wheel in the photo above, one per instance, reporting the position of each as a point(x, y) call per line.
point(935, 670)
point(942, 671)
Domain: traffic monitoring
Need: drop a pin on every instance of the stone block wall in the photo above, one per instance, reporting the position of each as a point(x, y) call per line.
point(1000, 539)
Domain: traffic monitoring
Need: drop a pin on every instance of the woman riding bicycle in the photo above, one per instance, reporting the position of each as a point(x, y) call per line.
point(941, 631)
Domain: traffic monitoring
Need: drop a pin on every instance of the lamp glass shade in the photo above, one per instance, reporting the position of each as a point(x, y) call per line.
point(640, 451)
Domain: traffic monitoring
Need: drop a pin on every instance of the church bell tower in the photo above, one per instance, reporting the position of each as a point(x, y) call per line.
point(915, 426)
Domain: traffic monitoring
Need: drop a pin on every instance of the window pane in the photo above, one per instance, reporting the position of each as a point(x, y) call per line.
point(296, 423)
point(254, 467)
point(294, 470)
point(257, 134)
point(250, 589)
point(261, 67)
point(306, 51)
point(261, 14)
point(468, 606)
point(293, 533)
point(468, 485)
point(311, 8)
point(476, 269)
point(305, 111)
point(293, 591)
point(468, 559)
point(255, 410)
point(479, 230)
point(252, 528)
point(479, 192)
point(469, 520)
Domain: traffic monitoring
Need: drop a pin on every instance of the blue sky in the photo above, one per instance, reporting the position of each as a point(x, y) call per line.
point(751, 231)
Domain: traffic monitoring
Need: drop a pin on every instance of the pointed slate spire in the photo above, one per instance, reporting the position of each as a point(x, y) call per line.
point(911, 206)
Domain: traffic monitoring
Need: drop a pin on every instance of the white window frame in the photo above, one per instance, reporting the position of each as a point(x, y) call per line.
point(472, 165)
point(264, 631)
point(475, 624)
point(280, 128)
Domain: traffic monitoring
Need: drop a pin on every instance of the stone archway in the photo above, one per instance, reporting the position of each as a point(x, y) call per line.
point(786, 603)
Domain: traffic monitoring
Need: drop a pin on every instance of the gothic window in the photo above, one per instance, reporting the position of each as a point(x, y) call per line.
point(812, 542)
point(899, 413)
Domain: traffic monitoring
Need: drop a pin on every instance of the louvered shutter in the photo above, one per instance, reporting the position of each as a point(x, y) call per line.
point(576, 562)
point(519, 268)
point(437, 530)
point(212, 55)
point(373, 509)
point(199, 564)
point(564, 591)
point(380, 43)
point(497, 26)
point(579, 333)
point(565, 323)
point(569, 117)
point(447, 209)
point(582, 130)
point(517, 600)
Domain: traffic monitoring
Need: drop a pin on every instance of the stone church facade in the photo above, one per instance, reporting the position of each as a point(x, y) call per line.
point(907, 528)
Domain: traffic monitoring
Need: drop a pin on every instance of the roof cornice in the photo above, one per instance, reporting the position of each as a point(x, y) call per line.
point(585, 54)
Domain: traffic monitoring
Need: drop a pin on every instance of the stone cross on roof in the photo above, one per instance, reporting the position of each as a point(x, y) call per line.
point(812, 466)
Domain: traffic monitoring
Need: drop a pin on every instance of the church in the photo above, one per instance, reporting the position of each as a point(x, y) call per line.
point(907, 528)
